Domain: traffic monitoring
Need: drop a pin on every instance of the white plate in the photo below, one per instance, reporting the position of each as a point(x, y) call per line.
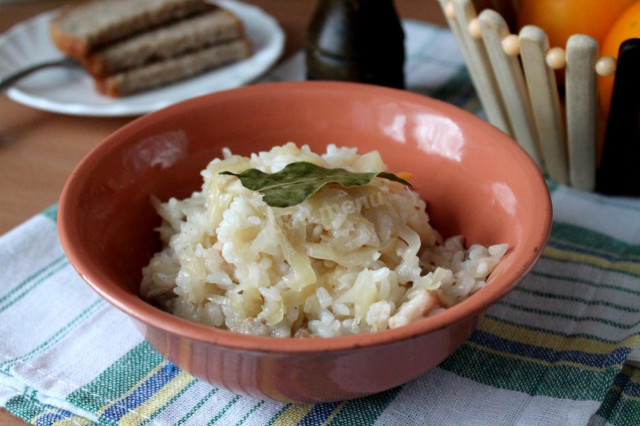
point(71, 91)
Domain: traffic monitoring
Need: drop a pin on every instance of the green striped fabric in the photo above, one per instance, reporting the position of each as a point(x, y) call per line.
point(550, 353)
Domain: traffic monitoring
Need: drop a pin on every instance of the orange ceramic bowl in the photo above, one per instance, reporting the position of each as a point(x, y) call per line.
point(476, 181)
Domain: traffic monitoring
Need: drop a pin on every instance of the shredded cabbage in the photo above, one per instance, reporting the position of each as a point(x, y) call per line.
point(345, 261)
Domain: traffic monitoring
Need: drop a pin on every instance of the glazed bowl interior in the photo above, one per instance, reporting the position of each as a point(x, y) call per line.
point(477, 182)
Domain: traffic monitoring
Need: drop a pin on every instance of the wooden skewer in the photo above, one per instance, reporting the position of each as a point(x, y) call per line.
point(545, 101)
point(479, 81)
point(454, 25)
point(480, 68)
point(581, 99)
point(511, 83)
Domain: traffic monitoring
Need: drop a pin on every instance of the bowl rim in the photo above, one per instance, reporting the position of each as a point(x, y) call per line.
point(143, 312)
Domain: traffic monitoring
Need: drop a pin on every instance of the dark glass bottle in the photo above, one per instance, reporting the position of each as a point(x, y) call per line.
point(356, 40)
point(619, 173)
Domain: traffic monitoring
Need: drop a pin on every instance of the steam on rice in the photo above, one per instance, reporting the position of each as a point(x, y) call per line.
point(345, 261)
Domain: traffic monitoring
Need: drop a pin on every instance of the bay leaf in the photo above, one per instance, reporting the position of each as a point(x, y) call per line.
point(298, 181)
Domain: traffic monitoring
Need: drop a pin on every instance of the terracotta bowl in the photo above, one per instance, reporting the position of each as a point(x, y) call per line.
point(476, 180)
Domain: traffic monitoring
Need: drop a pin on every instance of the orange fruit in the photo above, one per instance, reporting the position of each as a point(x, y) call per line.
point(562, 18)
point(627, 26)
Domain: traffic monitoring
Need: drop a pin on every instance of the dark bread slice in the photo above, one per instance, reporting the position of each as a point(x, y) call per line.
point(174, 39)
point(173, 69)
point(83, 27)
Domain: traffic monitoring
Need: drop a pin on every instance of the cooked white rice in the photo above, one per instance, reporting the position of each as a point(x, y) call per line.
point(345, 261)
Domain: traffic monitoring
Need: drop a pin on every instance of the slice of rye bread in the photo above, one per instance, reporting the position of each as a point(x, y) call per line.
point(166, 42)
point(83, 27)
point(173, 69)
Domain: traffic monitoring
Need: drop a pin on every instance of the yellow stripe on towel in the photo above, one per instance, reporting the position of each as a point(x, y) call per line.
point(293, 414)
point(73, 421)
point(533, 360)
point(552, 341)
point(335, 411)
point(572, 256)
point(133, 388)
point(158, 400)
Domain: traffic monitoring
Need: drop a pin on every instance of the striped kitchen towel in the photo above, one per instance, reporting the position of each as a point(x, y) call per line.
point(550, 353)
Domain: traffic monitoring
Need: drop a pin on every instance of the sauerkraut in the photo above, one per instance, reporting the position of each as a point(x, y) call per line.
point(344, 261)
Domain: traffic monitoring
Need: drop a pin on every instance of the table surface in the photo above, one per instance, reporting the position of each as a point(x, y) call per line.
point(38, 149)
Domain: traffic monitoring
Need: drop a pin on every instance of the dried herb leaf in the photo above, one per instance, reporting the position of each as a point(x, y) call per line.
point(298, 181)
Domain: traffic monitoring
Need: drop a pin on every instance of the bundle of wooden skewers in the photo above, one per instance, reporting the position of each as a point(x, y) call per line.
point(546, 97)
